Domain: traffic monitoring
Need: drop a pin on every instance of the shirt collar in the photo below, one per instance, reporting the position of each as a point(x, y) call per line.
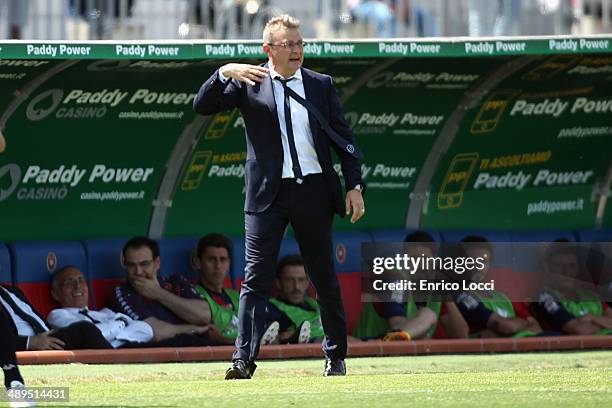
point(274, 74)
point(212, 292)
point(300, 305)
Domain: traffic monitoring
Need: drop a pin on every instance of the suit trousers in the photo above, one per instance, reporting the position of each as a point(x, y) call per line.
point(8, 341)
point(81, 335)
point(308, 208)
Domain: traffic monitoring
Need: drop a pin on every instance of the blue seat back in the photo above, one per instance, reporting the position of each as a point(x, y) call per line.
point(6, 274)
point(34, 262)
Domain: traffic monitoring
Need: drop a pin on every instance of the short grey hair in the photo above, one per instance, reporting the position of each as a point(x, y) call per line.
point(276, 23)
point(55, 278)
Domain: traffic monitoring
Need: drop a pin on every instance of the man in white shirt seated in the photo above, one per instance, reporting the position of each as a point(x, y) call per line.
point(32, 333)
point(69, 289)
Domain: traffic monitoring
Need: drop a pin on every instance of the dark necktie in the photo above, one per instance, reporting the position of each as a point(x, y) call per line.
point(295, 163)
point(85, 313)
point(329, 131)
point(36, 326)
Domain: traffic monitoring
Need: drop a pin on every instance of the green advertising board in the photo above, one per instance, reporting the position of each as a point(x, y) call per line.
point(211, 189)
point(86, 151)
point(416, 99)
point(223, 50)
point(532, 153)
point(93, 131)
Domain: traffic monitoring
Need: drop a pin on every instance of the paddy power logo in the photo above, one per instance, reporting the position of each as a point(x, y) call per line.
point(92, 104)
point(40, 183)
point(127, 65)
point(10, 175)
point(44, 104)
point(392, 79)
point(391, 119)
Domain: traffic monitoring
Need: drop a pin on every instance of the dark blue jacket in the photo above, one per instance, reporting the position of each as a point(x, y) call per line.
point(264, 162)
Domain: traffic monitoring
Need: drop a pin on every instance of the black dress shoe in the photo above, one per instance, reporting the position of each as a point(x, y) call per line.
point(334, 367)
point(251, 368)
point(240, 370)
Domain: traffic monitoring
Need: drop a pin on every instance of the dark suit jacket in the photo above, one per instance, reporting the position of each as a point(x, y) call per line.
point(22, 341)
point(264, 162)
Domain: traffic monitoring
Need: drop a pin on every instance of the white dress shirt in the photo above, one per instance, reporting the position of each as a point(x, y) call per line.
point(304, 145)
point(116, 328)
point(23, 328)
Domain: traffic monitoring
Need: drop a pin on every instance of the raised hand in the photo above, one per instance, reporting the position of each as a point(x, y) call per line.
point(246, 73)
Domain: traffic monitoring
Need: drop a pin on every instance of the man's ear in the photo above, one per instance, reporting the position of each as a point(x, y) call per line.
point(54, 295)
point(157, 262)
point(195, 261)
point(266, 48)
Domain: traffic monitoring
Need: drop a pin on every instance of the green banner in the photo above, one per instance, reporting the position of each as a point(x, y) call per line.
point(86, 152)
point(210, 193)
point(532, 153)
point(91, 130)
point(314, 49)
point(396, 111)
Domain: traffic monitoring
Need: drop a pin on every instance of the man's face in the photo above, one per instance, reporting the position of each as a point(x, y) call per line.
point(70, 289)
point(415, 250)
point(214, 264)
point(473, 251)
point(293, 284)
point(564, 265)
point(140, 263)
point(286, 60)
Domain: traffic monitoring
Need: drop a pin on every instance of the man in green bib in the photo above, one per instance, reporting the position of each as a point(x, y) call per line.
point(410, 320)
point(212, 260)
point(296, 313)
point(491, 313)
point(567, 307)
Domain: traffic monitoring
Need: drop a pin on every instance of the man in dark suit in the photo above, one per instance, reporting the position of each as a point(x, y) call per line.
point(289, 179)
point(8, 346)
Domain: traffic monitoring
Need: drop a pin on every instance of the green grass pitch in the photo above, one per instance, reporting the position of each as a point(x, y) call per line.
point(576, 379)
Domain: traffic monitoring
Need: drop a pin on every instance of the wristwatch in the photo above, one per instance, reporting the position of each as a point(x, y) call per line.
point(358, 187)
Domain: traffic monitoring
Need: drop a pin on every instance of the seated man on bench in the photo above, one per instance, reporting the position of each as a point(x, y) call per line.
point(33, 333)
point(69, 289)
point(406, 319)
point(292, 316)
point(568, 307)
point(491, 313)
point(171, 306)
point(212, 260)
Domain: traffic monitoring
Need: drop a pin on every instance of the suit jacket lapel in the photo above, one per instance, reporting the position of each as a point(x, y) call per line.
point(8, 315)
point(19, 293)
point(268, 96)
point(310, 93)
